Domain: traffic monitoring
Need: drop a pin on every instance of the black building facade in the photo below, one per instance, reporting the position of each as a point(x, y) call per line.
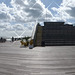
point(56, 33)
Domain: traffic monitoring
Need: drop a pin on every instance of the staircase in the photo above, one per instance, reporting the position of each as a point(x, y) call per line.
point(39, 35)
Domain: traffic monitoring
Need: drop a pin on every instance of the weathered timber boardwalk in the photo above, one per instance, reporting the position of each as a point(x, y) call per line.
point(52, 60)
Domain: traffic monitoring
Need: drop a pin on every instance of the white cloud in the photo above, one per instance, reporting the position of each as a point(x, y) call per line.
point(20, 16)
point(26, 10)
point(5, 15)
point(66, 10)
point(16, 30)
point(69, 3)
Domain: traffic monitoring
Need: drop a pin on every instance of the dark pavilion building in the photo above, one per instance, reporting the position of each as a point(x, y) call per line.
point(54, 33)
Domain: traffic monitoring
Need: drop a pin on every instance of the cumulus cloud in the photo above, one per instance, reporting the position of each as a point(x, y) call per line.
point(23, 14)
point(5, 15)
point(27, 10)
point(70, 7)
point(18, 27)
point(66, 10)
point(16, 30)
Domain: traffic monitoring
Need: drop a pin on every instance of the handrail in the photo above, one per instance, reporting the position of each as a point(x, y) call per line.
point(33, 37)
point(34, 31)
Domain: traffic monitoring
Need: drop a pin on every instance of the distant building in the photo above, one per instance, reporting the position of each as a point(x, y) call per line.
point(54, 33)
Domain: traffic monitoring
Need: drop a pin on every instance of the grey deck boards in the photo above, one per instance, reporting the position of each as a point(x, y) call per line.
point(52, 60)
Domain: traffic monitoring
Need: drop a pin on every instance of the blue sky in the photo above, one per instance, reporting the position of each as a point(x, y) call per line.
point(18, 17)
point(46, 2)
point(56, 3)
point(7, 2)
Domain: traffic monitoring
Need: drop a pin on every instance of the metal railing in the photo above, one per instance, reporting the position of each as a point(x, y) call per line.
point(33, 37)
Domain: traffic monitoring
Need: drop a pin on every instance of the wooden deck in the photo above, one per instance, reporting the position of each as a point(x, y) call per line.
point(52, 60)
